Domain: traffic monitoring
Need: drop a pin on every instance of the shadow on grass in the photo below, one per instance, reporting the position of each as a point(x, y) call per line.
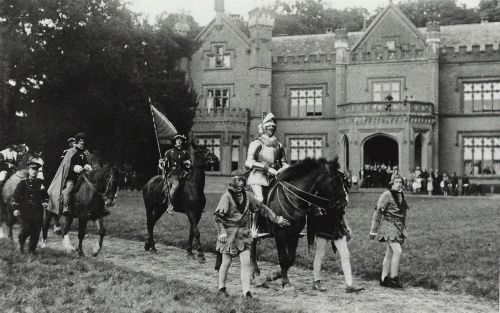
point(56, 282)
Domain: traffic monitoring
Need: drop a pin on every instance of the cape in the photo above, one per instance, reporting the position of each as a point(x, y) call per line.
point(57, 184)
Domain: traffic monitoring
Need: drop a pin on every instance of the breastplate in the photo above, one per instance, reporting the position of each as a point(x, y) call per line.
point(269, 155)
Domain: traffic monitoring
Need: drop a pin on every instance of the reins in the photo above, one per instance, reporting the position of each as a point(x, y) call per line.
point(289, 189)
point(104, 195)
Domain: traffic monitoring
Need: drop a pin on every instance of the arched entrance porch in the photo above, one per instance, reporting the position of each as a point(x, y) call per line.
point(381, 149)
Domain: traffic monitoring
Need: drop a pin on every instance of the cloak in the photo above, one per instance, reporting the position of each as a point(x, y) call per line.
point(57, 184)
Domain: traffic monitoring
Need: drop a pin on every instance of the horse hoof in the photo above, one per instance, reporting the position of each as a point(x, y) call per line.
point(147, 246)
point(80, 254)
point(201, 259)
point(260, 282)
point(190, 256)
point(43, 244)
point(289, 290)
point(274, 275)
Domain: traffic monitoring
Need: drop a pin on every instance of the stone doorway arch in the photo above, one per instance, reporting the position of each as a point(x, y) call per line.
point(381, 149)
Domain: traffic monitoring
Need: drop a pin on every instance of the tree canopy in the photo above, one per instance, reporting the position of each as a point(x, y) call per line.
point(91, 65)
point(301, 17)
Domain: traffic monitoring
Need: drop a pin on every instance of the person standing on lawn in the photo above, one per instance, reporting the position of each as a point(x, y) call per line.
point(232, 218)
point(389, 225)
point(29, 200)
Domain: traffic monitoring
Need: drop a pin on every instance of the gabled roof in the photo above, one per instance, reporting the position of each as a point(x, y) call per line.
point(390, 8)
point(308, 44)
point(227, 22)
point(469, 34)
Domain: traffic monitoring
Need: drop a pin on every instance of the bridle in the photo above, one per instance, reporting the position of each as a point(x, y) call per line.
point(108, 193)
point(315, 204)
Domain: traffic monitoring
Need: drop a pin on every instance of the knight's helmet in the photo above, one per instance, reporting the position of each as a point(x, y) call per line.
point(269, 120)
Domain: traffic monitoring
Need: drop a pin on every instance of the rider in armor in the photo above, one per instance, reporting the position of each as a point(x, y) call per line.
point(266, 157)
point(176, 165)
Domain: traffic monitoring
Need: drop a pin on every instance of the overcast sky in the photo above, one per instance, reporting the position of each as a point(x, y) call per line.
point(203, 10)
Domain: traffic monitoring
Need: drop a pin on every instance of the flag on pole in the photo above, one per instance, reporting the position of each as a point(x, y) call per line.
point(165, 130)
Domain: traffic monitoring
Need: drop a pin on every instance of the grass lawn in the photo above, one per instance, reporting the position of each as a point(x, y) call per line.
point(452, 246)
point(57, 282)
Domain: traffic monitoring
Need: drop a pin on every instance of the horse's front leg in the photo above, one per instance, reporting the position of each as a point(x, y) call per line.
point(68, 246)
point(201, 256)
point(102, 232)
point(82, 227)
point(10, 223)
point(194, 234)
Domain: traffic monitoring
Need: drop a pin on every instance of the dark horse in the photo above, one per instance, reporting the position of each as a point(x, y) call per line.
point(93, 191)
point(309, 187)
point(190, 199)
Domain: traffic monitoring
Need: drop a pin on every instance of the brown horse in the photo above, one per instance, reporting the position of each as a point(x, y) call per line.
point(93, 191)
point(309, 187)
point(190, 200)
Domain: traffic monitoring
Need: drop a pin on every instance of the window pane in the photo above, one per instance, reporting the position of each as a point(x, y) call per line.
point(377, 97)
point(467, 141)
point(376, 87)
point(477, 87)
point(386, 86)
point(487, 87)
point(395, 86)
point(467, 87)
point(487, 154)
point(496, 100)
point(468, 153)
point(478, 142)
point(227, 61)
point(478, 154)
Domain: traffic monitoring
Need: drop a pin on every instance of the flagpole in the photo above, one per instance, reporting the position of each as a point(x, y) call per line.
point(154, 125)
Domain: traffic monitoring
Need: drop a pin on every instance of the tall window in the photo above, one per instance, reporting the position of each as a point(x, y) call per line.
point(213, 144)
point(218, 99)
point(235, 153)
point(220, 59)
point(306, 102)
point(482, 155)
point(301, 148)
point(384, 91)
point(482, 96)
point(390, 45)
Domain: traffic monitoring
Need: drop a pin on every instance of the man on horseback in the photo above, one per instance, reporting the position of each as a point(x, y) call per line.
point(75, 162)
point(266, 157)
point(8, 160)
point(176, 165)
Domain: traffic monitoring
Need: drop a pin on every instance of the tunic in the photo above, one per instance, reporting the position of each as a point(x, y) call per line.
point(232, 218)
point(389, 218)
point(28, 198)
point(175, 158)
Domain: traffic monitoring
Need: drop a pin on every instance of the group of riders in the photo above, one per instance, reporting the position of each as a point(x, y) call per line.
point(236, 215)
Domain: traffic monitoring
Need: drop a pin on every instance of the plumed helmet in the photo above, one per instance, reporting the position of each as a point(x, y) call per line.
point(269, 120)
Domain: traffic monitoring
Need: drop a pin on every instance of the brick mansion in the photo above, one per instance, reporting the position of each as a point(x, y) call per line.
point(393, 93)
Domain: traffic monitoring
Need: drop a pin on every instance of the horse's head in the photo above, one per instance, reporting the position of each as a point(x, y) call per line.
point(111, 185)
point(332, 185)
point(204, 157)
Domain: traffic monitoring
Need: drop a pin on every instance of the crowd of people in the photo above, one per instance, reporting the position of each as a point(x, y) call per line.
point(420, 181)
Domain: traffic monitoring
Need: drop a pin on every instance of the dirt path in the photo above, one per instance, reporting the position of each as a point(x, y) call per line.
point(171, 263)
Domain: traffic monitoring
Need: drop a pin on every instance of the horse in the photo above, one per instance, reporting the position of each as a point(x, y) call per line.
point(189, 199)
point(309, 187)
point(13, 177)
point(93, 192)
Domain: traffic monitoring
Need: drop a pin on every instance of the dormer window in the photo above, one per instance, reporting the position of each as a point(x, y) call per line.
point(220, 58)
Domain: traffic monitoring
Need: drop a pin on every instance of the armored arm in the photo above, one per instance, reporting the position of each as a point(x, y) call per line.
point(252, 161)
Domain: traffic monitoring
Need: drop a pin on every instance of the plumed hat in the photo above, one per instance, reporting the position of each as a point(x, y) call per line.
point(181, 136)
point(80, 136)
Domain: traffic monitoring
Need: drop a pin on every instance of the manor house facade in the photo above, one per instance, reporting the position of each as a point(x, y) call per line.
point(393, 93)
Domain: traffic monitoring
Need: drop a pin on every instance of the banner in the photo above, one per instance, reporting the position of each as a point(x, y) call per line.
point(165, 130)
